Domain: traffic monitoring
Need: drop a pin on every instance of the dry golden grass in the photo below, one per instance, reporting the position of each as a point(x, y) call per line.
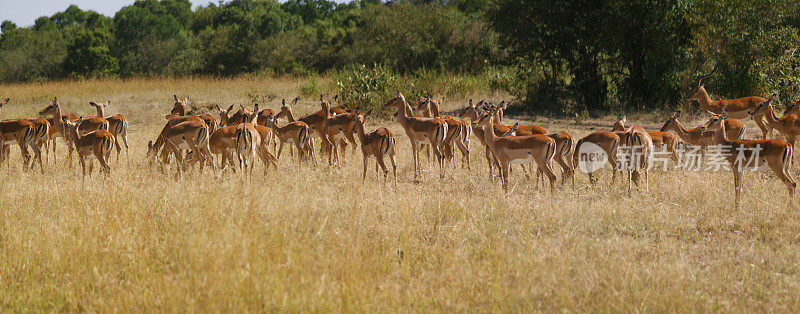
point(318, 239)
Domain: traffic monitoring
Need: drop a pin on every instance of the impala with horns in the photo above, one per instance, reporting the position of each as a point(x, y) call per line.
point(738, 108)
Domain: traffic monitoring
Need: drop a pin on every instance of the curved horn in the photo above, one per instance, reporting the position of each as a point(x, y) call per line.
point(700, 79)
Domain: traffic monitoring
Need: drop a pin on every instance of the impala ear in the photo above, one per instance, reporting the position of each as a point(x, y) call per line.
point(108, 102)
point(677, 114)
point(229, 109)
point(709, 113)
point(724, 114)
point(176, 97)
point(91, 103)
point(283, 102)
point(368, 113)
point(625, 118)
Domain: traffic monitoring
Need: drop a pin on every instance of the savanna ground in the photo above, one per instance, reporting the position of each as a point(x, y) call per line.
point(315, 238)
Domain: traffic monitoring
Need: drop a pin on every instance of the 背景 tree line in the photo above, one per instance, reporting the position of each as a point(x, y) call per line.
point(556, 55)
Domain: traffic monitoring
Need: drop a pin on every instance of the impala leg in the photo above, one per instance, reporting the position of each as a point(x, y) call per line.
point(383, 167)
point(737, 185)
point(364, 174)
point(547, 167)
point(394, 168)
point(766, 130)
point(489, 161)
point(504, 175)
point(782, 171)
point(281, 149)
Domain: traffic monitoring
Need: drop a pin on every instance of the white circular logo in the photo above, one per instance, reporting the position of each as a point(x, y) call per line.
point(591, 157)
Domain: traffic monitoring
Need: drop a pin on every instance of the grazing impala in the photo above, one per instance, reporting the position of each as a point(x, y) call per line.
point(638, 148)
point(789, 125)
point(378, 143)
point(520, 149)
point(117, 125)
point(96, 142)
point(189, 135)
point(605, 140)
point(775, 153)
point(458, 130)
point(420, 129)
point(737, 108)
point(22, 132)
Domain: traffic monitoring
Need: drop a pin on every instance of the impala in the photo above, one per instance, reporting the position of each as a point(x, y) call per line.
point(117, 125)
point(189, 135)
point(22, 132)
point(248, 142)
point(564, 144)
point(619, 126)
point(520, 149)
point(41, 136)
point(172, 120)
point(315, 122)
point(788, 125)
point(458, 130)
point(419, 129)
point(735, 129)
point(378, 143)
point(608, 142)
point(58, 124)
point(338, 128)
point(639, 148)
point(737, 108)
point(473, 113)
point(794, 108)
point(775, 153)
point(96, 142)
point(297, 132)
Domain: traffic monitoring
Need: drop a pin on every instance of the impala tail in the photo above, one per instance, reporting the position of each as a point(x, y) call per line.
point(105, 147)
point(551, 152)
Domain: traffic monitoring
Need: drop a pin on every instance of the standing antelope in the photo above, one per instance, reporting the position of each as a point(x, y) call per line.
point(96, 142)
point(664, 141)
point(315, 122)
point(605, 140)
point(117, 125)
point(520, 149)
point(22, 132)
point(248, 141)
point(339, 128)
point(58, 124)
point(775, 153)
point(564, 144)
point(378, 143)
point(298, 132)
point(473, 113)
point(639, 149)
point(788, 125)
point(420, 129)
point(735, 129)
point(41, 136)
point(458, 130)
point(737, 108)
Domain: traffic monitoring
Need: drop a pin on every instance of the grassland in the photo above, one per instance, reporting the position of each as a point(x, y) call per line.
point(309, 238)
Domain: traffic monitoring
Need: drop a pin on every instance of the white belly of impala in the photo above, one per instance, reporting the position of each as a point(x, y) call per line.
point(527, 160)
point(9, 142)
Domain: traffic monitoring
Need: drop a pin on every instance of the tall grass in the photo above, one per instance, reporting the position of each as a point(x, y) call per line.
point(315, 238)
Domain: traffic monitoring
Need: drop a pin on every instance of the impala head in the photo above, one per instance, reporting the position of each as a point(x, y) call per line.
point(253, 117)
point(714, 121)
point(179, 108)
point(396, 102)
point(100, 107)
point(794, 108)
point(698, 87)
point(53, 108)
point(487, 119)
point(672, 120)
point(762, 107)
point(286, 109)
point(223, 114)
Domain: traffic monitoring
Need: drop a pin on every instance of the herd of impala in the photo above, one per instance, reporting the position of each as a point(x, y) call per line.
point(196, 139)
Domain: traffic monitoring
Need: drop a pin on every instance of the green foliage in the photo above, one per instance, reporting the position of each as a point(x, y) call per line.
point(88, 55)
point(311, 87)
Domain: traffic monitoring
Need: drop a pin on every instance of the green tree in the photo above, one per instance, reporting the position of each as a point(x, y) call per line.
point(88, 55)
